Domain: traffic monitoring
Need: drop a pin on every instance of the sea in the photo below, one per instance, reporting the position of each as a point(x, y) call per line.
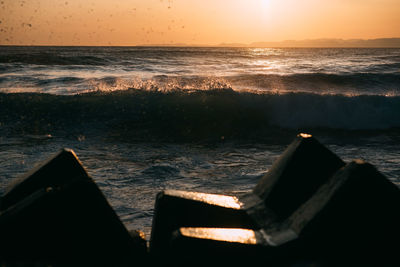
point(202, 119)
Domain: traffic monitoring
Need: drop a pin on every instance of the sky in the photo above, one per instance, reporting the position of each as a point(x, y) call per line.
point(199, 22)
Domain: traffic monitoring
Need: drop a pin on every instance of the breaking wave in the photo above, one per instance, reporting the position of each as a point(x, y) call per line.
point(323, 83)
point(179, 115)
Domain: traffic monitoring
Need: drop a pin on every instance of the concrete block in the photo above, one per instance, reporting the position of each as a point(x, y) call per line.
point(352, 219)
point(216, 242)
point(57, 170)
point(57, 214)
point(174, 209)
point(231, 244)
point(294, 177)
point(355, 215)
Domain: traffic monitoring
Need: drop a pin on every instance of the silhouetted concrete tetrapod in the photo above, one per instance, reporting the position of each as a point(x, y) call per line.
point(353, 218)
point(56, 213)
point(355, 215)
point(54, 172)
point(294, 177)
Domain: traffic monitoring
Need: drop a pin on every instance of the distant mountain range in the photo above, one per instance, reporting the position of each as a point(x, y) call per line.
point(381, 42)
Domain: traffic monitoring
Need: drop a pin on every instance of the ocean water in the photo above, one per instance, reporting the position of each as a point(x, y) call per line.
point(143, 119)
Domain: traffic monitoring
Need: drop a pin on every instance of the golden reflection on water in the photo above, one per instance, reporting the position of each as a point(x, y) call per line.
point(213, 199)
point(244, 236)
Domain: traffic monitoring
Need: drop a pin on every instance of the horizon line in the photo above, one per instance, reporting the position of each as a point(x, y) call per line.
point(304, 43)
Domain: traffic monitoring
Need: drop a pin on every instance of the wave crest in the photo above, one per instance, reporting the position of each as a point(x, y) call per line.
point(160, 83)
point(178, 115)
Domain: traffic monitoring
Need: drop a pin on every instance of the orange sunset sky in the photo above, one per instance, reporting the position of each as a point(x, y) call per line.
point(200, 22)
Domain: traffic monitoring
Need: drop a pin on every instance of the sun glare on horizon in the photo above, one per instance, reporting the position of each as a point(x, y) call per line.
point(265, 5)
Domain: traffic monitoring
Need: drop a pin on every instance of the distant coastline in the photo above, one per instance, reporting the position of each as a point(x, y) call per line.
point(381, 42)
point(321, 43)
